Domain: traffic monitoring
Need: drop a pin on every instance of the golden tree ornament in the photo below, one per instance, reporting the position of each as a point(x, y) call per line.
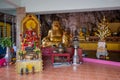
point(103, 30)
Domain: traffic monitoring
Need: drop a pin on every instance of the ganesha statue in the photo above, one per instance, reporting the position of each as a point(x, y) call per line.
point(30, 37)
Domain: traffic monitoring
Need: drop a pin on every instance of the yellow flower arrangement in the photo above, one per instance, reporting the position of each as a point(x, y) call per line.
point(29, 66)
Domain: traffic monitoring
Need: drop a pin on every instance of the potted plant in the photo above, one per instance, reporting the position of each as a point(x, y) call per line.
point(5, 42)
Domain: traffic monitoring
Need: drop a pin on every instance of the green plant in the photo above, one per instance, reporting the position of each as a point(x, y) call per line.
point(5, 42)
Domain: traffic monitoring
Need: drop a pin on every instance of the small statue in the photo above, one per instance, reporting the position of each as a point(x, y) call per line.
point(81, 35)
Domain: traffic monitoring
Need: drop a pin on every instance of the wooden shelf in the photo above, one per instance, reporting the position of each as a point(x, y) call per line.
point(114, 46)
point(108, 39)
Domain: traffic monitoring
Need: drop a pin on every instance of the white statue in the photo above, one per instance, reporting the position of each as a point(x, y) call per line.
point(101, 50)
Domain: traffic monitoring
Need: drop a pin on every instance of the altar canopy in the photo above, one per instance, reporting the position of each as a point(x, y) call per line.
point(29, 55)
point(30, 31)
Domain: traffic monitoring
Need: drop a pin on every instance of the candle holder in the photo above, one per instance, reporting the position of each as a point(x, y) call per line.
point(76, 59)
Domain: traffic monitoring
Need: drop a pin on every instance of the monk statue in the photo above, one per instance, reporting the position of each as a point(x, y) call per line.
point(55, 35)
point(81, 35)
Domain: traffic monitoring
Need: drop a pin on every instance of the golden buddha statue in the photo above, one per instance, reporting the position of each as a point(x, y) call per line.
point(81, 35)
point(55, 35)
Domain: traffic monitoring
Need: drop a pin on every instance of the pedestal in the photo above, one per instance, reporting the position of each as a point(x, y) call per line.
point(76, 57)
point(101, 50)
point(29, 64)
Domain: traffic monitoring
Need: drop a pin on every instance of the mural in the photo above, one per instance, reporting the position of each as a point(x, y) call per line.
point(86, 20)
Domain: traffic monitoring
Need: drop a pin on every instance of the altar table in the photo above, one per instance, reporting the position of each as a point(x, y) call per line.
point(60, 54)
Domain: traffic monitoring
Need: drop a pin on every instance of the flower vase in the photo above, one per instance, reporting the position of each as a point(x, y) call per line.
point(8, 55)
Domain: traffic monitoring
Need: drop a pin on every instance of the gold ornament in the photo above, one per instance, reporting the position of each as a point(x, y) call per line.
point(30, 24)
point(103, 30)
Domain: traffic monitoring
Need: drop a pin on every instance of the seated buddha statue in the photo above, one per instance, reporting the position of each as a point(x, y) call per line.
point(81, 35)
point(55, 35)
